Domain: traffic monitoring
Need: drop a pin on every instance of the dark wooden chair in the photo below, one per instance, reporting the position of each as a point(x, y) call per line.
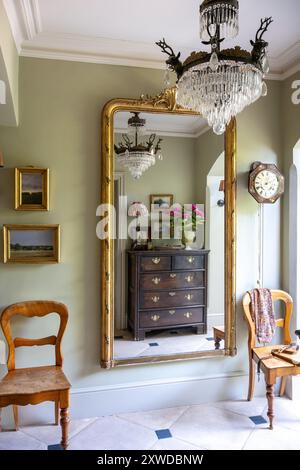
point(31, 386)
point(271, 366)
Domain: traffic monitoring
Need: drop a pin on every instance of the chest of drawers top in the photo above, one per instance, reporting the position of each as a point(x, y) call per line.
point(170, 260)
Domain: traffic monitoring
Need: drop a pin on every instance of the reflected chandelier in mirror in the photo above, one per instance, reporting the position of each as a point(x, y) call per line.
point(135, 155)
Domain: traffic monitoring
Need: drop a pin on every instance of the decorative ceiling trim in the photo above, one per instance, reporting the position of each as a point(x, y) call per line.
point(289, 73)
point(123, 61)
point(25, 20)
point(16, 22)
point(90, 58)
point(32, 18)
point(164, 133)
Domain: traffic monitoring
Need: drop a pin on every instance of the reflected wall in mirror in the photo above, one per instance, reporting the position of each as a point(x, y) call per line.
point(171, 294)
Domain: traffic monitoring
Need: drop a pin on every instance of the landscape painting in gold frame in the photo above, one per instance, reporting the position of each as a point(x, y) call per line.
point(31, 244)
point(31, 189)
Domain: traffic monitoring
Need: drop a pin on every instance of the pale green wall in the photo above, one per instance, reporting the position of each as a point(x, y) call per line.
point(9, 69)
point(60, 107)
point(208, 148)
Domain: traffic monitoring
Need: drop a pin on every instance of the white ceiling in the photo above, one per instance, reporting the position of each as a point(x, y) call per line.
point(124, 31)
point(164, 124)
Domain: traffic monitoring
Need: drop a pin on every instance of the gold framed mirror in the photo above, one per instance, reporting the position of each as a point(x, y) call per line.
point(164, 104)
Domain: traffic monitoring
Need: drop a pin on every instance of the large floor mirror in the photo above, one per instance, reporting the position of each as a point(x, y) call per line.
point(168, 253)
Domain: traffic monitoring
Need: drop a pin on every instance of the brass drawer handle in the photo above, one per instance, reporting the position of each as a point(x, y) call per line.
point(172, 312)
point(156, 280)
point(172, 294)
point(155, 260)
point(173, 276)
point(189, 297)
point(155, 299)
point(191, 260)
point(188, 315)
point(189, 278)
point(155, 318)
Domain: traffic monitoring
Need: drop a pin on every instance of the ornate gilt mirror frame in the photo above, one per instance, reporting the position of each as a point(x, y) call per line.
point(163, 103)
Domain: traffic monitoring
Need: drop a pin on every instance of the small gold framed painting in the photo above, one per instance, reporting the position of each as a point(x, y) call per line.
point(31, 244)
point(161, 201)
point(31, 189)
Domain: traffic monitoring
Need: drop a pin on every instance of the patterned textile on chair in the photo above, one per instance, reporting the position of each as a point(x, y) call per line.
point(262, 312)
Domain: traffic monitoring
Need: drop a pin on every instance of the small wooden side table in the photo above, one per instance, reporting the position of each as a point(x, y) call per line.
point(219, 334)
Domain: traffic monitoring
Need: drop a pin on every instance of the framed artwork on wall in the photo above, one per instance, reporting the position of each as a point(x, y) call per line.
point(163, 201)
point(31, 244)
point(31, 189)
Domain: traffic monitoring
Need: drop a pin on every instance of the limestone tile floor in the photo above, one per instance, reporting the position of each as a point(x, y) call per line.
point(163, 343)
point(225, 425)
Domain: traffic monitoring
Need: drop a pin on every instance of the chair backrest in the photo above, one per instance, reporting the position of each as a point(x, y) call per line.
point(281, 322)
point(38, 308)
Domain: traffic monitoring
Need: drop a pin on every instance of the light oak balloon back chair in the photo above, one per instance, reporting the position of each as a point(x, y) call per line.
point(271, 366)
point(35, 385)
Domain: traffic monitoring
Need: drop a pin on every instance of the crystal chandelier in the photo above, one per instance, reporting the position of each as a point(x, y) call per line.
point(138, 157)
point(221, 83)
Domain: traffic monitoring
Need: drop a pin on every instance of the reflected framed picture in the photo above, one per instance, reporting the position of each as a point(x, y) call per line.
point(31, 189)
point(31, 244)
point(162, 201)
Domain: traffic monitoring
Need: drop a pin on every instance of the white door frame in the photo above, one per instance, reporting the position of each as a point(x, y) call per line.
point(120, 252)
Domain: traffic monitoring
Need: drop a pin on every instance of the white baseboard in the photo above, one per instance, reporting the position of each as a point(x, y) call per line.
point(141, 396)
point(293, 387)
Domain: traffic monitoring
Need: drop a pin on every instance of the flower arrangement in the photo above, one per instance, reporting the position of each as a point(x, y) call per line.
point(190, 215)
point(185, 221)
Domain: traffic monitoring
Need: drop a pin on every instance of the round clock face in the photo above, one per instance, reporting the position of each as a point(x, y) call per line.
point(266, 184)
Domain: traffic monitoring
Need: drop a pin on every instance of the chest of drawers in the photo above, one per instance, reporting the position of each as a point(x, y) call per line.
point(167, 289)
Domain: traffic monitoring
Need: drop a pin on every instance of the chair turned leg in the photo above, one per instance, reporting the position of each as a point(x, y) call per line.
point(64, 422)
point(56, 412)
point(16, 417)
point(283, 386)
point(270, 398)
point(217, 343)
point(251, 379)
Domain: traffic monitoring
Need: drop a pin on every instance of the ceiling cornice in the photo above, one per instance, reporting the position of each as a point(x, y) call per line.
point(31, 17)
point(25, 20)
point(31, 41)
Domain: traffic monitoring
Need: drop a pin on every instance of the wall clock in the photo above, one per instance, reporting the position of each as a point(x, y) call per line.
point(266, 183)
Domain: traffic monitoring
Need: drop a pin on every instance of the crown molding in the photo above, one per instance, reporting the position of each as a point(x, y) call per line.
point(286, 60)
point(76, 48)
point(89, 58)
point(186, 135)
point(289, 73)
point(32, 18)
point(25, 20)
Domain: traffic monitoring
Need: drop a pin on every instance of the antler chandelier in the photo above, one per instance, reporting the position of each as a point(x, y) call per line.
point(221, 83)
point(138, 157)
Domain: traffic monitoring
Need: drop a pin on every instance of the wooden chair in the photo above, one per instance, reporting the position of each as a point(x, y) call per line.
point(272, 367)
point(35, 385)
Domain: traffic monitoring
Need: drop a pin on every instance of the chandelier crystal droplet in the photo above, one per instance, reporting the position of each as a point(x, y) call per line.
point(220, 84)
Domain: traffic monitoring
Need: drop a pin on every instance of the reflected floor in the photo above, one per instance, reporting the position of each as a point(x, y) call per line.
point(175, 341)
